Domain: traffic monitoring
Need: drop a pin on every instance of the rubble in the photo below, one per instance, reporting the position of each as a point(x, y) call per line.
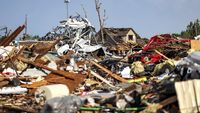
point(70, 74)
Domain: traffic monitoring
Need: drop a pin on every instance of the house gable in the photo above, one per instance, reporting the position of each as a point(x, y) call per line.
point(115, 36)
point(130, 36)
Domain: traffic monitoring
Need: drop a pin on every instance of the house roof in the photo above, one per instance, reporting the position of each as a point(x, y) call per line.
point(113, 35)
point(142, 41)
point(117, 31)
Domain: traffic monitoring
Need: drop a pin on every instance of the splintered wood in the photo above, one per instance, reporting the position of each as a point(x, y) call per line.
point(60, 72)
point(110, 73)
point(72, 84)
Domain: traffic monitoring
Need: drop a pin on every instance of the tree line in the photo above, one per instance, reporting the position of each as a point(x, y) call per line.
point(192, 30)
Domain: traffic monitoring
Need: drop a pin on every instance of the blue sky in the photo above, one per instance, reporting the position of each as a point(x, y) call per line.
point(146, 17)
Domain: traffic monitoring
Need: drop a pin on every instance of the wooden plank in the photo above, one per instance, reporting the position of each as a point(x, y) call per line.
point(101, 78)
point(181, 98)
point(162, 55)
point(53, 78)
point(117, 77)
point(48, 49)
point(59, 72)
point(6, 41)
point(192, 105)
point(195, 45)
point(197, 92)
point(153, 108)
point(167, 101)
point(3, 83)
point(186, 96)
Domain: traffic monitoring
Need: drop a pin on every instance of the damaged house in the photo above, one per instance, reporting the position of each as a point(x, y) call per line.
point(117, 40)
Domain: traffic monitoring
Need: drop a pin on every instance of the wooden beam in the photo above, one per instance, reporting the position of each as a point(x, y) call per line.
point(167, 101)
point(110, 73)
point(162, 55)
point(59, 72)
point(46, 51)
point(101, 78)
point(153, 108)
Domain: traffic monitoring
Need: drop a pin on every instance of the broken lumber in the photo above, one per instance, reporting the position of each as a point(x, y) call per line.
point(117, 77)
point(7, 40)
point(3, 83)
point(59, 72)
point(101, 78)
point(167, 101)
point(162, 55)
point(153, 108)
point(46, 51)
point(53, 78)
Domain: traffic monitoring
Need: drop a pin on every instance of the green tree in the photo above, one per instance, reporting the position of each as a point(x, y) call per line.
point(197, 27)
point(30, 37)
point(192, 30)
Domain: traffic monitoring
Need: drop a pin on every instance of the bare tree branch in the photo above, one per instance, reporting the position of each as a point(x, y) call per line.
point(85, 13)
point(101, 20)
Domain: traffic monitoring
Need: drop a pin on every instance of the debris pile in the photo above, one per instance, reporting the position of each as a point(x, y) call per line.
point(70, 74)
